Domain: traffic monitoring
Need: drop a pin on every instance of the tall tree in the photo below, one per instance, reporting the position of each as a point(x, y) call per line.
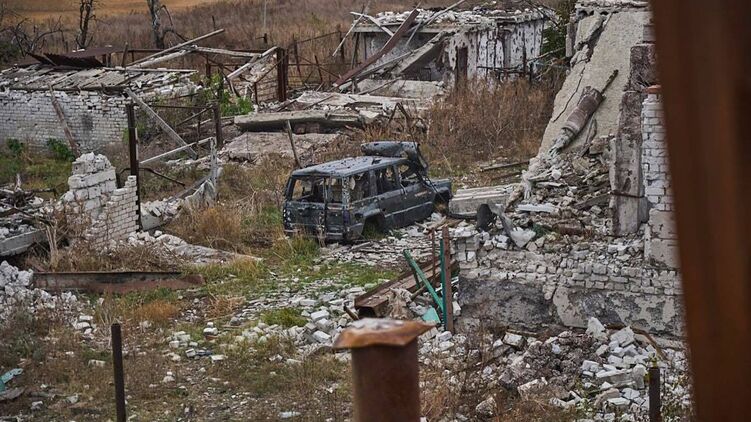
point(160, 31)
point(85, 17)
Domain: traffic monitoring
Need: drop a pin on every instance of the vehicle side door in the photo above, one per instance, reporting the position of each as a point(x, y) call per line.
point(390, 196)
point(418, 197)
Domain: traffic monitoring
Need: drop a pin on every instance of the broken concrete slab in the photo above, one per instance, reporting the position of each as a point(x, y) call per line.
point(623, 30)
point(466, 202)
point(261, 122)
point(252, 145)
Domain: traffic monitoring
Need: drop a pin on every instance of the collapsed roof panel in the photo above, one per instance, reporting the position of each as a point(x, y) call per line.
point(441, 19)
point(44, 77)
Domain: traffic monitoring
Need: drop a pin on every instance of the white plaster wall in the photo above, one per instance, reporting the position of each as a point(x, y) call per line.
point(486, 47)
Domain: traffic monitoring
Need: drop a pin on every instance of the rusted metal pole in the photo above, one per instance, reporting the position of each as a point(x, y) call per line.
point(117, 363)
point(133, 152)
point(384, 368)
point(448, 291)
point(655, 400)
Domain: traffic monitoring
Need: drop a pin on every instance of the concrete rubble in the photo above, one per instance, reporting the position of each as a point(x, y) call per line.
point(21, 213)
point(561, 240)
point(17, 292)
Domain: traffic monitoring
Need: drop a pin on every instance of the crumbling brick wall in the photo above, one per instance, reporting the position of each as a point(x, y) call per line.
point(95, 119)
point(661, 241)
point(111, 212)
point(566, 284)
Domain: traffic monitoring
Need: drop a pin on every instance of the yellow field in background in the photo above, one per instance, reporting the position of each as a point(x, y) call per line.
point(43, 9)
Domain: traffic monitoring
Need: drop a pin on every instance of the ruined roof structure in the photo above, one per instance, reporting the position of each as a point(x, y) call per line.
point(450, 44)
point(440, 20)
point(42, 77)
point(36, 99)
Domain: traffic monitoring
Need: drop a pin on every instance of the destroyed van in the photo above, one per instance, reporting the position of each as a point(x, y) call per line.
point(386, 188)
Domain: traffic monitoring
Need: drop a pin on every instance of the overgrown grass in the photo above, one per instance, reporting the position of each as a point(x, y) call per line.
point(247, 219)
point(316, 386)
point(285, 317)
point(38, 170)
point(234, 278)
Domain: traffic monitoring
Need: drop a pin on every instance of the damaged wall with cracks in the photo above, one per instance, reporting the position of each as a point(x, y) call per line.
point(629, 277)
point(95, 201)
point(96, 119)
point(492, 45)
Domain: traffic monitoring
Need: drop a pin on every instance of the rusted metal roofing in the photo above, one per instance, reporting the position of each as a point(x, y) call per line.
point(81, 58)
point(43, 77)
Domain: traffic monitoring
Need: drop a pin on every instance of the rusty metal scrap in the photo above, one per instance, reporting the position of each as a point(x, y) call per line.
point(375, 301)
point(115, 282)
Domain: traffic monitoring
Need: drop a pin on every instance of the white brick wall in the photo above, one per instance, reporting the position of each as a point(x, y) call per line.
point(661, 240)
point(111, 212)
point(95, 119)
point(655, 171)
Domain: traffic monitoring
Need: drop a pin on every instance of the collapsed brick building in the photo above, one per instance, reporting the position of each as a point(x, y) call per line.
point(39, 101)
point(448, 45)
point(589, 232)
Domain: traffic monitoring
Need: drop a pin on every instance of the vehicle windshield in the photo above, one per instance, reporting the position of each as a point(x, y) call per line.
point(316, 189)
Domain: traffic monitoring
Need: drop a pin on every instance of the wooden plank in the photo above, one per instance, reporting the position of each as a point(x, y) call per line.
point(392, 42)
point(162, 124)
point(178, 47)
point(247, 65)
point(64, 123)
point(375, 22)
point(163, 58)
point(704, 61)
point(351, 28)
point(223, 52)
point(375, 300)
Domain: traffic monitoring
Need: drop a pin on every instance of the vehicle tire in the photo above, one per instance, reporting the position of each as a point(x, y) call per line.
point(373, 229)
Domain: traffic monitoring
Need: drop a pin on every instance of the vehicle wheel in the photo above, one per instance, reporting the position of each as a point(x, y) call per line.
point(373, 229)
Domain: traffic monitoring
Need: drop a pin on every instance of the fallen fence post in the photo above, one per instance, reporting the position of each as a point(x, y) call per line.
point(655, 401)
point(117, 363)
point(385, 370)
point(292, 144)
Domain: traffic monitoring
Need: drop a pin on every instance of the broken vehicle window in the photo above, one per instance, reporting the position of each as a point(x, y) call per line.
point(336, 190)
point(386, 179)
point(360, 186)
point(408, 175)
point(309, 189)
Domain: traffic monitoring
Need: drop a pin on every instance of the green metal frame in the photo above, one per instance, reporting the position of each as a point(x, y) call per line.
point(421, 277)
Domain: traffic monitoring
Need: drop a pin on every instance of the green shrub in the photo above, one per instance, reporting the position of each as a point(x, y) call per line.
point(60, 150)
point(15, 147)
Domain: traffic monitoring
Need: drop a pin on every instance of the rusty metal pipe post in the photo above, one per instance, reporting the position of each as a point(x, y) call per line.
point(385, 369)
point(117, 363)
point(133, 155)
point(655, 400)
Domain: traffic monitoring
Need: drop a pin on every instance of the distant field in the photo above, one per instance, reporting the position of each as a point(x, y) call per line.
point(43, 9)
